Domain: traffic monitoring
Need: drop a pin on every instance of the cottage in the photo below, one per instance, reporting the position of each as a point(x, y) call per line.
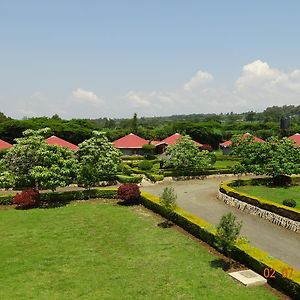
point(225, 146)
point(130, 144)
point(54, 140)
point(171, 140)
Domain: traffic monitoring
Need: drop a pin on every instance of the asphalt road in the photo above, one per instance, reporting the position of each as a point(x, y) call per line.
point(199, 198)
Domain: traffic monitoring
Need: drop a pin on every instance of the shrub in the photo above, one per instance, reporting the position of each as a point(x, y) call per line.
point(129, 179)
point(129, 192)
point(145, 165)
point(228, 230)
point(168, 198)
point(27, 199)
point(149, 151)
point(155, 177)
point(289, 202)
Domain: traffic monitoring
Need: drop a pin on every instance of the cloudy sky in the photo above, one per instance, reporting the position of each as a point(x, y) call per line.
point(112, 58)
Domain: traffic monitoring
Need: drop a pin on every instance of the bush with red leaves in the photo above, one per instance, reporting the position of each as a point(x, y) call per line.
point(27, 199)
point(129, 192)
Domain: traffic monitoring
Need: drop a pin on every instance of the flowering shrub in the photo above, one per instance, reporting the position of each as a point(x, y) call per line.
point(27, 199)
point(129, 192)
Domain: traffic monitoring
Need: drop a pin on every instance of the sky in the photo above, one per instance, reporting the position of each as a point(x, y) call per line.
point(93, 59)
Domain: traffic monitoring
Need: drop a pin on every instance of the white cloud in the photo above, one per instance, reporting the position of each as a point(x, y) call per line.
point(258, 87)
point(84, 96)
point(198, 80)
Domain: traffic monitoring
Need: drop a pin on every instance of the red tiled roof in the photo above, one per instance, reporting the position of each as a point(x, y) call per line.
point(54, 140)
point(157, 143)
point(171, 140)
point(5, 145)
point(130, 141)
point(256, 139)
point(296, 138)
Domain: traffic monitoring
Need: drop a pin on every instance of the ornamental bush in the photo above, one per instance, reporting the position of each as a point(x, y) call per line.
point(289, 202)
point(129, 192)
point(28, 198)
point(145, 165)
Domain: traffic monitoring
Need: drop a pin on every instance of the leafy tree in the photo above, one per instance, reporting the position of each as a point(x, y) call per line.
point(228, 231)
point(98, 159)
point(185, 156)
point(148, 150)
point(275, 158)
point(34, 163)
point(134, 123)
point(168, 199)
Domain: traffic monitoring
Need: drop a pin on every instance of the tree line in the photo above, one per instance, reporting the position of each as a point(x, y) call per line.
point(204, 128)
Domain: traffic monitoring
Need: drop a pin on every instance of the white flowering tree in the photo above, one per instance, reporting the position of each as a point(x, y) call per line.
point(34, 163)
point(98, 159)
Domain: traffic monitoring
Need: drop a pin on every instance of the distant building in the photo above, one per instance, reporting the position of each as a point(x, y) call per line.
point(226, 146)
point(296, 139)
point(173, 139)
point(130, 144)
point(4, 145)
point(54, 140)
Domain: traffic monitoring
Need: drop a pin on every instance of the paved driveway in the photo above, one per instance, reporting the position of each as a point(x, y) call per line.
point(199, 198)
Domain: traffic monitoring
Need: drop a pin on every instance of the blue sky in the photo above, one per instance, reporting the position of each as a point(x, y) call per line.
point(113, 58)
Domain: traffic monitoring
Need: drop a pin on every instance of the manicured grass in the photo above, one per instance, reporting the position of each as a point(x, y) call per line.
point(96, 250)
point(276, 194)
point(223, 164)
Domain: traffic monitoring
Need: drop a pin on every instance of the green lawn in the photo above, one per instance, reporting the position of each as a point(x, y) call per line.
point(95, 250)
point(276, 194)
point(224, 164)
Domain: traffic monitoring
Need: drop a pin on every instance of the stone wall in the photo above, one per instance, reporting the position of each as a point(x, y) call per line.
point(264, 214)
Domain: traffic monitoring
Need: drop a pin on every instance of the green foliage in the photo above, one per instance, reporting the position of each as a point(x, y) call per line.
point(185, 156)
point(129, 179)
point(289, 202)
point(276, 157)
point(97, 157)
point(168, 198)
point(154, 177)
point(145, 165)
point(34, 163)
point(148, 150)
point(228, 231)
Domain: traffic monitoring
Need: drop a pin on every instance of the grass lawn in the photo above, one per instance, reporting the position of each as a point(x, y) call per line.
point(97, 250)
point(276, 194)
point(224, 164)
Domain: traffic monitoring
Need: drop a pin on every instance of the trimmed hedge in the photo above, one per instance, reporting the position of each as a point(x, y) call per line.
point(252, 257)
point(155, 177)
point(284, 211)
point(174, 173)
point(132, 157)
point(129, 179)
point(6, 199)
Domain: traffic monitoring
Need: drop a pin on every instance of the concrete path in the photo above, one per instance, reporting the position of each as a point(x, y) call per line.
point(199, 198)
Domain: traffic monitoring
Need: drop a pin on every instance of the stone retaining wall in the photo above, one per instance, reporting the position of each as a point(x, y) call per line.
point(264, 214)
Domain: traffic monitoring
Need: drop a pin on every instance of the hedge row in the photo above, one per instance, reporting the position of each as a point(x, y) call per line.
point(132, 157)
point(154, 177)
point(173, 173)
point(6, 199)
point(129, 179)
point(253, 258)
point(284, 211)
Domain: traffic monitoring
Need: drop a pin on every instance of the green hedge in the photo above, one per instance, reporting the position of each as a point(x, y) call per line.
point(129, 179)
point(154, 177)
point(252, 257)
point(132, 157)
point(175, 173)
point(6, 199)
point(287, 212)
point(53, 197)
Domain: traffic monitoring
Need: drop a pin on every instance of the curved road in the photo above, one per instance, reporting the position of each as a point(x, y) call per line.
point(199, 198)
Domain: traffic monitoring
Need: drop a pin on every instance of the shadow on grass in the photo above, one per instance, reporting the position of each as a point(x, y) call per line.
point(46, 205)
point(220, 264)
point(165, 224)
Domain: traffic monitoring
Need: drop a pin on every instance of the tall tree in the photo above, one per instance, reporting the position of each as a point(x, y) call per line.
point(98, 159)
point(134, 123)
